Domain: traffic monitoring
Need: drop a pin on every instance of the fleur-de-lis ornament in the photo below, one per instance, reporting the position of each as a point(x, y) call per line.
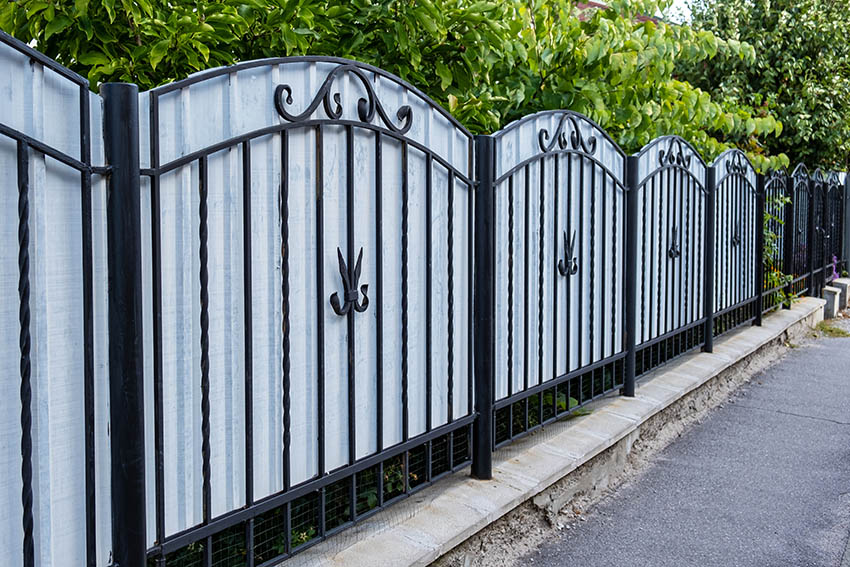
point(675, 250)
point(736, 236)
point(351, 295)
point(569, 264)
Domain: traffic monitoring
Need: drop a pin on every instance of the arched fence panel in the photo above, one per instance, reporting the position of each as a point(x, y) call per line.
point(777, 216)
point(834, 226)
point(739, 224)
point(671, 247)
point(559, 247)
point(801, 197)
point(308, 269)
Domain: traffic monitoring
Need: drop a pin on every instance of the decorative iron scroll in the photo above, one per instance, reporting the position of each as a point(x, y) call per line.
point(350, 294)
point(569, 264)
point(576, 139)
point(674, 154)
point(332, 103)
point(737, 164)
point(675, 249)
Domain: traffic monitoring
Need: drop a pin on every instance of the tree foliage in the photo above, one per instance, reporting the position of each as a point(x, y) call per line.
point(487, 62)
point(800, 74)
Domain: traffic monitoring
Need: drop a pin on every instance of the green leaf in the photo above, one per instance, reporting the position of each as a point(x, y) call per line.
point(158, 52)
point(56, 25)
point(445, 75)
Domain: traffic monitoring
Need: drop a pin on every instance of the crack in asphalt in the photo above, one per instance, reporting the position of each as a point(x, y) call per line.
point(814, 417)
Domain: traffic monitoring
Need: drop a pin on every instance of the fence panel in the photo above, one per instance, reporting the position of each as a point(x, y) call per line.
point(53, 345)
point(309, 268)
point(560, 210)
point(737, 226)
point(801, 198)
point(778, 221)
point(671, 229)
point(834, 226)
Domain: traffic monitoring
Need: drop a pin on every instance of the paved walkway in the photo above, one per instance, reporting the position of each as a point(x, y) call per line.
point(764, 481)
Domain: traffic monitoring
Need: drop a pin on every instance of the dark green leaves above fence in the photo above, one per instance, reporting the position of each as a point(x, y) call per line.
point(487, 62)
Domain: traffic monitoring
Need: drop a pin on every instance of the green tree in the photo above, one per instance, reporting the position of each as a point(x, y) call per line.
point(800, 75)
point(487, 62)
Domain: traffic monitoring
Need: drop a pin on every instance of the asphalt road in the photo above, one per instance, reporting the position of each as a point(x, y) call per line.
point(763, 481)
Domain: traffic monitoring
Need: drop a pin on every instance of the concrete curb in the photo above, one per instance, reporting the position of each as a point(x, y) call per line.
point(430, 523)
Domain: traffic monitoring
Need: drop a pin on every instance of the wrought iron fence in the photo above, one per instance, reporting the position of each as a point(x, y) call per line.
point(324, 294)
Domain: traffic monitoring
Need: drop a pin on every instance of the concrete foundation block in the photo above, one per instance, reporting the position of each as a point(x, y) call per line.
point(844, 285)
point(832, 296)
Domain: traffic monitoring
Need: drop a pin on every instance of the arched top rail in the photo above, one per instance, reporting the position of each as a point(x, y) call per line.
point(668, 153)
point(735, 164)
point(255, 96)
point(819, 177)
point(556, 132)
point(833, 181)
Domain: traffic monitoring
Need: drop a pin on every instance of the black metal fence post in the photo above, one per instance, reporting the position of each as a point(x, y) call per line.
point(708, 294)
point(124, 253)
point(846, 220)
point(810, 241)
point(631, 282)
point(759, 267)
point(789, 230)
point(484, 307)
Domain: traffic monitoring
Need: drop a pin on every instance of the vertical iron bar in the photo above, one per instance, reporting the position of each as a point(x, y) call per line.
point(203, 234)
point(451, 306)
point(759, 267)
point(484, 308)
point(429, 313)
point(710, 245)
point(630, 269)
point(379, 290)
point(25, 342)
point(126, 359)
point(88, 330)
point(320, 310)
point(283, 208)
point(249, 344)
point(352, 392)
point(405, 253)
point(156, 269)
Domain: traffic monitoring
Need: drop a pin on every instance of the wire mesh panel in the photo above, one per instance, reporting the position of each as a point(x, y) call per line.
point(55, 454)
point(560, 209)
point(777, 218)
point(672, 243)
point(737, 224)
point(309, 274)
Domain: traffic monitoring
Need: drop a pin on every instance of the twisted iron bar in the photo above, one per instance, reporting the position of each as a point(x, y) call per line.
point(674, 154)
point(25, 345)
point(203, 233)
point(576, 139)
point(332, 102)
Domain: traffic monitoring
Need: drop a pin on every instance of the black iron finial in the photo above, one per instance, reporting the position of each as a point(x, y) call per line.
point(351, 294)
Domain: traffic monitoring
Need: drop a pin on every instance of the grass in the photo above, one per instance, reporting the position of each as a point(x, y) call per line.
point(831, 331)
